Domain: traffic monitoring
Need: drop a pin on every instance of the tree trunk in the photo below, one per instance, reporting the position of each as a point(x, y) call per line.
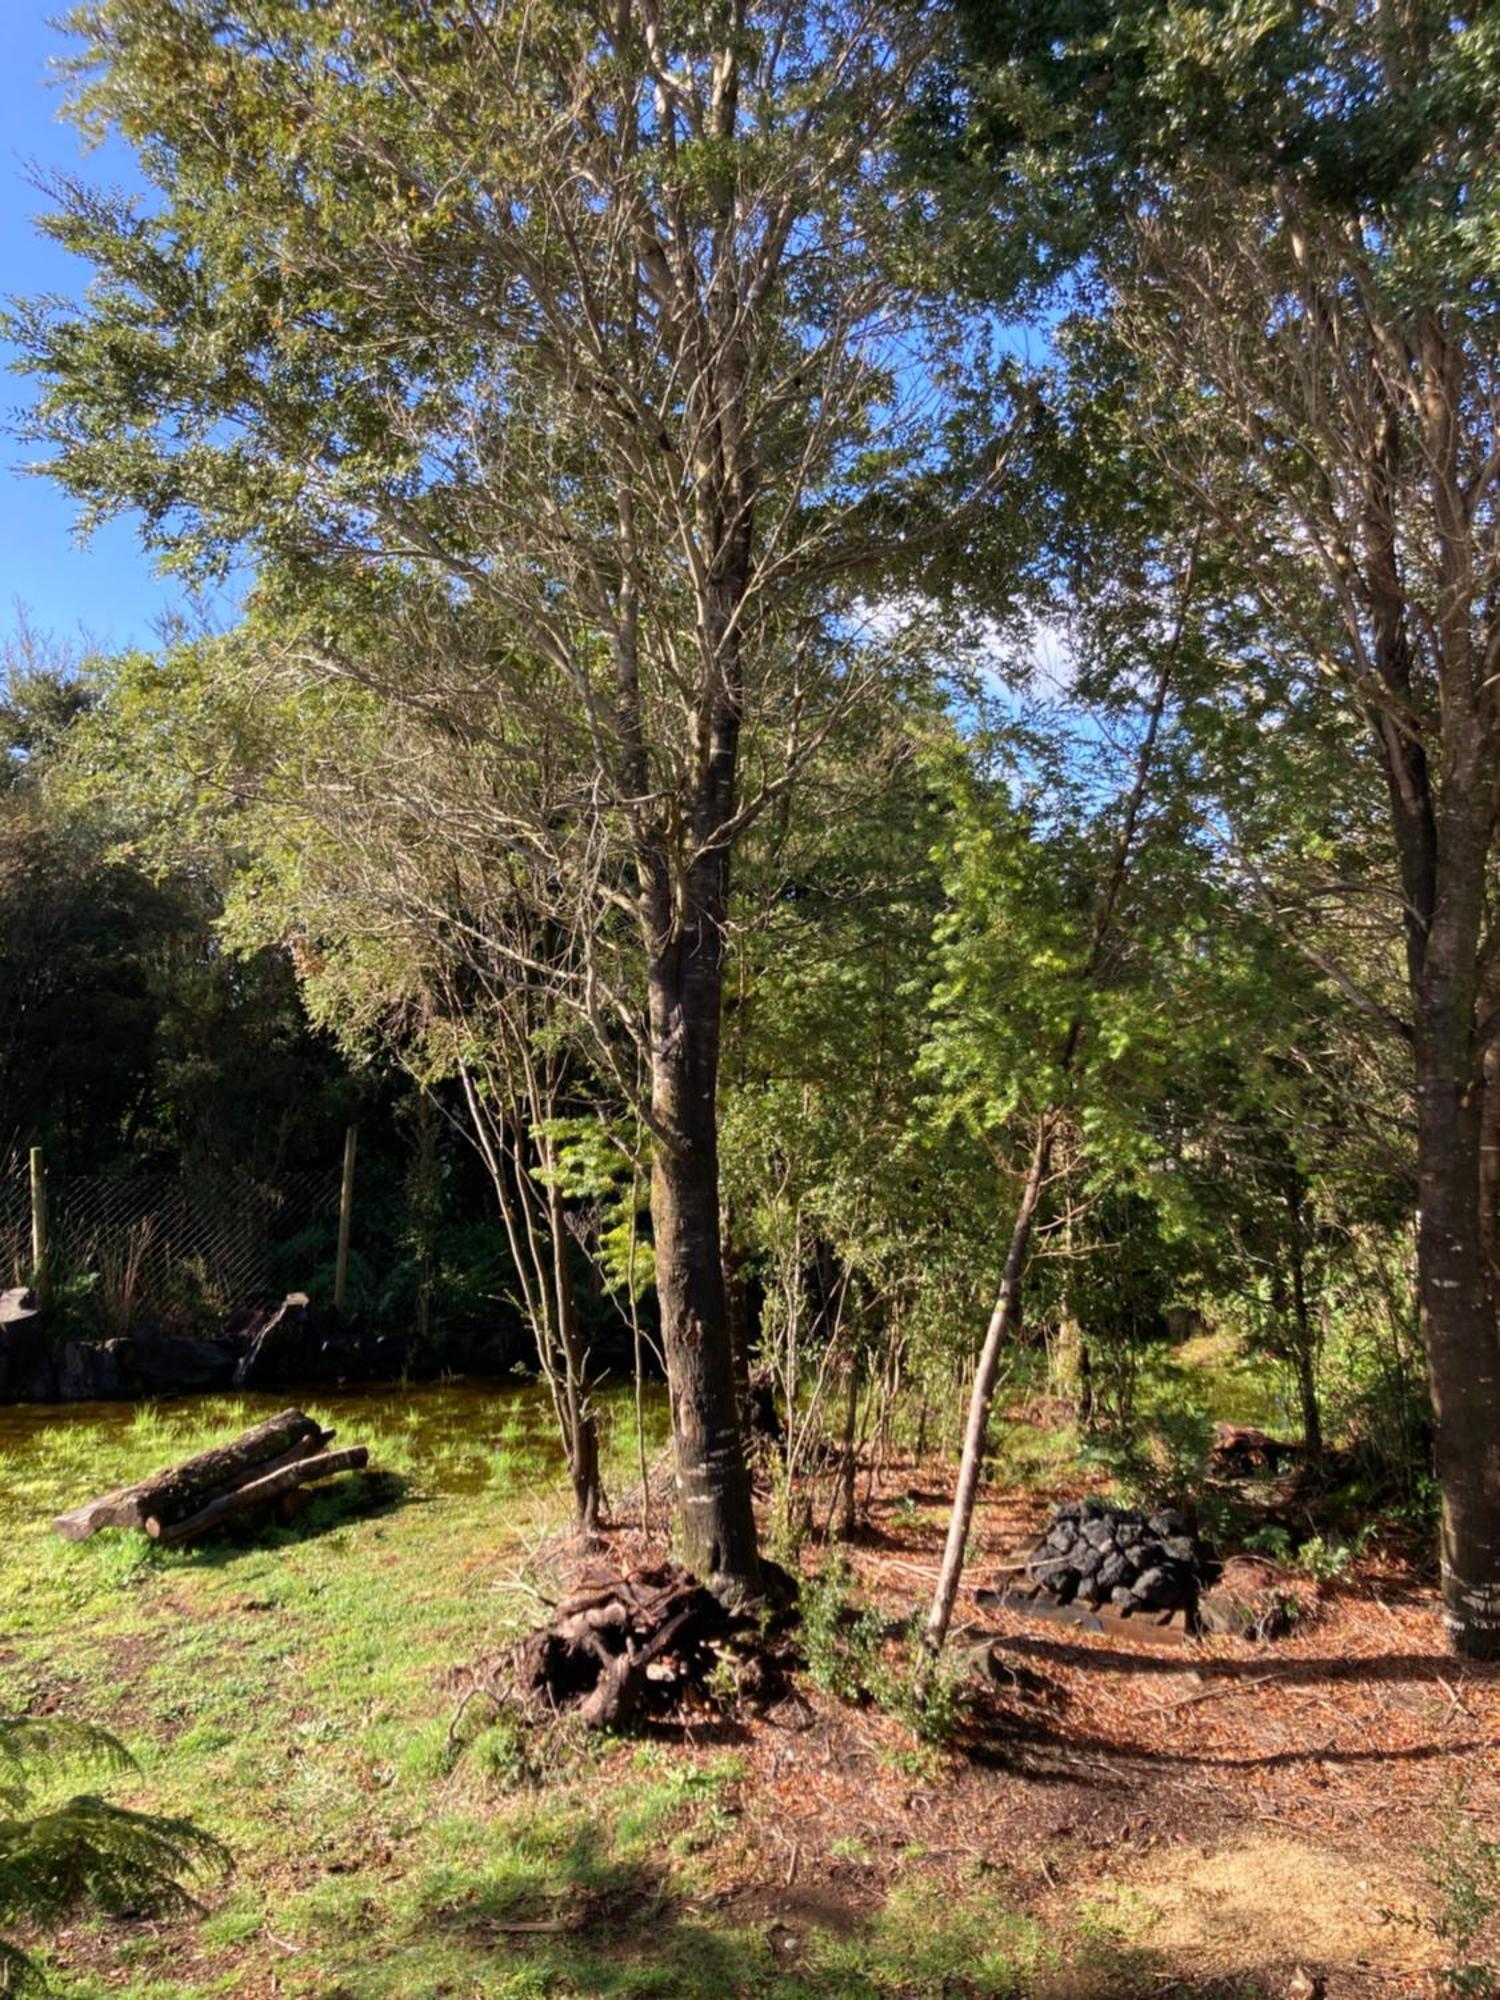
point(713, 1480)
point(580, 1426)
point(1489, 1161)
point(1002, 1325)
point(1305, 1340)
point(1459, 1331)
point(848, 1452)
point(737, 1311)
point(171, 1496)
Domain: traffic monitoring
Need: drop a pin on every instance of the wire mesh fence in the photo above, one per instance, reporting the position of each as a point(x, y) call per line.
point(129, 1245)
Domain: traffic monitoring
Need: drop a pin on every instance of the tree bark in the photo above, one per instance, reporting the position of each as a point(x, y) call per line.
point(267, 1486)
point(848, 1443)
point(1305, 1339)
point(579, 1424)
point(181, 1490)
point(713, 1480)
point(1459, 1331)
point(1003, 1322)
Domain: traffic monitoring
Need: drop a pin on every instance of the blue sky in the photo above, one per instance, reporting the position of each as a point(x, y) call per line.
point(104, 591)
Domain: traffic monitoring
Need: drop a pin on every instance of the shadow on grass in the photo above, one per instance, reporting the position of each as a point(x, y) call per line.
point(355, 1498)
point(594, 1922)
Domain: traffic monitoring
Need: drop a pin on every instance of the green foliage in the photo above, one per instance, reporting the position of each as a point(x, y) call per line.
point(848, 1653)
point(60, 1852)
point(1464, 1870)
point(842, 1646)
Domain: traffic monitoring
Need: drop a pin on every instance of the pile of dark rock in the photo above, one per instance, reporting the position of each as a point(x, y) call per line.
point(1098, 1555)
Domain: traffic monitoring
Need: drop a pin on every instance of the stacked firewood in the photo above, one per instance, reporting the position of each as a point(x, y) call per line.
point(265, 1467)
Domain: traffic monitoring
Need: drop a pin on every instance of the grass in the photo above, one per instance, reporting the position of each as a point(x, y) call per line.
point(292, 1692)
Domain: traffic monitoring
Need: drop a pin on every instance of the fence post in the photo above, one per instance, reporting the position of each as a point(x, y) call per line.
point(39, 1273)
point(346, 1210)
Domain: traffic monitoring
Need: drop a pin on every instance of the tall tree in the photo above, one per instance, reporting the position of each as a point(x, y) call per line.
point(1293, 215)
point(540, 358)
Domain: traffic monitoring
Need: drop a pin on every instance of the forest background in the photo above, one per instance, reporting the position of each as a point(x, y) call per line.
point(868, 704)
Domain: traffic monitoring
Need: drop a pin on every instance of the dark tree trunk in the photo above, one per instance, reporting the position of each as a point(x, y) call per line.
point(737, 1311)
point(713, 1480)
point(1443, 817)
point(848, 1452)
point(1459, 1332)
point(569, 1380)
point(1305, 1343)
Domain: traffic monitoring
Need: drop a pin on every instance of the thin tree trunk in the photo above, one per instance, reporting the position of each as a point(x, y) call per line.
point(1304, 1337)
point(1003, 1322)
point(1007, 1310)
point(737, 1310)
point(579, 1421)
point(848, 1454)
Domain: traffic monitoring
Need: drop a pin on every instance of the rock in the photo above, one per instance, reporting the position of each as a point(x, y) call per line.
point(1152, 1590)
point(1099, 1534)
point(1113, 1570)
point(171, 1365)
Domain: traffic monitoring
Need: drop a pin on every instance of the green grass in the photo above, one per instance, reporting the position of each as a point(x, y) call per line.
point(293, 1693)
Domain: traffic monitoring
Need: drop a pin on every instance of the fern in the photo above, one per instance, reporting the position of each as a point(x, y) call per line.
point(57, 1854)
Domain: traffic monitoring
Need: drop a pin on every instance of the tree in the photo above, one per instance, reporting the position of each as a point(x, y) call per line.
point(1035, 1053)
point(540, 358)
point(127, 1030)
point(1292, 244)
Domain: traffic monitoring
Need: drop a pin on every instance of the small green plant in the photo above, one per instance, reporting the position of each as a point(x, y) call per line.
point(1318, 1557)
point(1271, 1541)
point(845, 1651)
point(58, 1852)
point(841, 1645)
point(1464, 1870)
point(502, 1749)
point(1324, 1560)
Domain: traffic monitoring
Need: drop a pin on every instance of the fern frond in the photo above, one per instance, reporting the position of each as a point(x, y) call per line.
point(56, 1856)
point(19, 1976)
point(38, 1751)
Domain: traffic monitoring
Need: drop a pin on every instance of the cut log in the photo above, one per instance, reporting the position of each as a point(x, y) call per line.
point(256, 1492)
point(183, 1490)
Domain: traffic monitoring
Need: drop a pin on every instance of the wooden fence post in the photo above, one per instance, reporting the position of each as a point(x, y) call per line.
point(346, 1210)
point(39, 1274)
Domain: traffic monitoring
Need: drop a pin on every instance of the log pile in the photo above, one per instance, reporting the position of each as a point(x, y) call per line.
point(264, 1466)
point(647, 1642)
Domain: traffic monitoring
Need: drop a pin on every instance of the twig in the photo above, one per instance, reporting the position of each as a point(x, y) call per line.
point(1213, 1693)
